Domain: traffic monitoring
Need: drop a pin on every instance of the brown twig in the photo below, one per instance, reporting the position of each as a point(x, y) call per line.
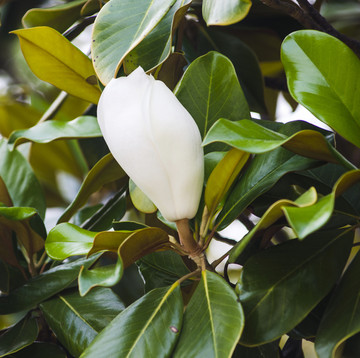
point(327, 27)
point(309, 17)
point(186, 238)
point(294, 11)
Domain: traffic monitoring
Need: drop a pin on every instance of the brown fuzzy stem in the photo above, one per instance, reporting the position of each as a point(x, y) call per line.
point(186, 238)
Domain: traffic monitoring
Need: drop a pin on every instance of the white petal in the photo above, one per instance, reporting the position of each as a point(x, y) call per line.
point(155, 140)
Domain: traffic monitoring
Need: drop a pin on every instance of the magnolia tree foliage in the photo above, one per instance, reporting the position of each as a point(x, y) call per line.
point(164, 113)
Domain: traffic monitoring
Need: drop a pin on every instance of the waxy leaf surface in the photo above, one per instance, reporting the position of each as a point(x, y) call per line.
point(341, 319)
point(77, 320)
point(20, 181)
point(82, 127)
point(119, 27)
point(19, 336)
point(149, 327)
point(213, 320)
point(273, 300)
point(315, 79)
point(106, 170)
point(225, 12)
point(210, 90)
point(43, 286)
point(56, 60)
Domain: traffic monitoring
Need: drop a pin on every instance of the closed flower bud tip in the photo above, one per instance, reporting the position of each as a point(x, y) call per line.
point(155, 140)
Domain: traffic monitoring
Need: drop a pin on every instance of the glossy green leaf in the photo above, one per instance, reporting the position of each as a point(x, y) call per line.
point(102, 275)
point(19, 336)
point(210, 90)
point(161, 269)
point(56, 60)
point(156, 46)
point(20, 221)
point(9, 320)
point(341, 319)
point(140, 200)
point(119, 27)
point(262, 173)
point(114, 209)
point(66, 240)
point(223, 176)
point(131, 245)
point(270, 293)
point(40, 350)
point(21, 183)
point(244, 60)
point(106, 170)
point(58, 17)
point(272, 214)
point(43, 286)
point(45, 132)
point(225, 12)
point(7, 252)
point(77, 320)
point(213, 320)
point(251, 137)
point(151, 324)
point(316, 81)
point(325, 177)
point(307, 220)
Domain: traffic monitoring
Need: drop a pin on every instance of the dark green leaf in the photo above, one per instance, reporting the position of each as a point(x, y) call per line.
point(101, 275)
point(151, 324)
point(341, 319)
point(114, 209)
point(269, 350)
point(274, 302)
point(213, 320)
point(76, 320)
point(21, 183)
point(210, 90)
point(44, 286)
point(262, 173)
point(245, 62)
point(106, 170)
point(161, 269)
point(40, 350)
point(19, 220)
point(128, 225)
point(19, 336)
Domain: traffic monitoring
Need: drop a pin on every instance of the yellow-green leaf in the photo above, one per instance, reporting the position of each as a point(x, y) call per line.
point(56, 60)
point(223, 176)
point(140, 200)
point(225, 12)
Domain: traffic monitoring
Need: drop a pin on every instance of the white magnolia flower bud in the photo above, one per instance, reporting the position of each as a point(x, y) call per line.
point(155, 140)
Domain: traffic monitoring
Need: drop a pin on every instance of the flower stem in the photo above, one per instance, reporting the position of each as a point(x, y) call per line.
point(186, 238)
